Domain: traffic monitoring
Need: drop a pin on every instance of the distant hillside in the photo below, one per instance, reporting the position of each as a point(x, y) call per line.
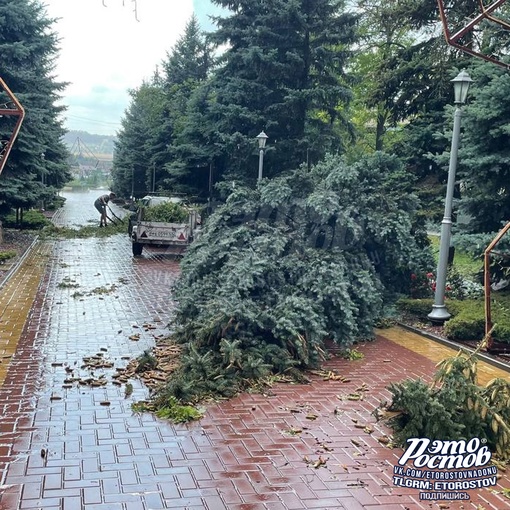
point(99, 145)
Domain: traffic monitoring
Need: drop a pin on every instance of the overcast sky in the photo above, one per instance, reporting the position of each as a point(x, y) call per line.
point(105, 51)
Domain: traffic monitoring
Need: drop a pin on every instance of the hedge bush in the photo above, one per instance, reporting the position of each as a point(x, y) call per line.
point(422, 307)
point(465, 327)
point(469, 322)
point(468, 318)
point(7, 255)
point(32, 220)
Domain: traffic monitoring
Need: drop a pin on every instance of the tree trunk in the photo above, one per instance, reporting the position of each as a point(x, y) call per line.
point(380, 128)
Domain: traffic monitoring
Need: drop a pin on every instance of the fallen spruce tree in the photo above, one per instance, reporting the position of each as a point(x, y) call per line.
point(279, 269)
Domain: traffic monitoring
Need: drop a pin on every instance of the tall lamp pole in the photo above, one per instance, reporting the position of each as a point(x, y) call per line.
point(43, 158)
point(439, 313)
point(262, 138)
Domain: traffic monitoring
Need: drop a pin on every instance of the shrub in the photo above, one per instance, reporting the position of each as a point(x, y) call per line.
point(6, 255)
point(501, 333)
point(423, 285)
point(418, 307)
point(32, 220)
point(420, 287)
point(55, 203)
point(422, 307)
point(465, 327)
point(468, 318)
point(469, 322)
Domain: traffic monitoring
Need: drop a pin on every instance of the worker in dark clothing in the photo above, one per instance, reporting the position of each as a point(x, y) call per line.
point(100, 204)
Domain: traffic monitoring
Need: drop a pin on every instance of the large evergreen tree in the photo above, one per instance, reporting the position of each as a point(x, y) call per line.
point(132, 169)
point(278, 270)
point(484, 157)
point(190, 59)
point(284, 71)
point(187, 69)
point(37, 166)
point(151, 152)
point(405, 67)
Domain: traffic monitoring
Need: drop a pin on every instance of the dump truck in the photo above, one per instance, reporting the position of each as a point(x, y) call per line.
point(163, 221)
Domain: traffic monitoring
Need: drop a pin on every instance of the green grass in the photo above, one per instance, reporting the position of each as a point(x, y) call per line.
point(462, 262)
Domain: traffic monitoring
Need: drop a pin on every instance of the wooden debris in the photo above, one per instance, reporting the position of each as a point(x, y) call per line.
point(97, 361)
point(167, 355)
point(321, 461)
point(330, 375)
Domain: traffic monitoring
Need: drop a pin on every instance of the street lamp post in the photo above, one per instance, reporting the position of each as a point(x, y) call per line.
point(43, 158)
point(262, 138)
point(439, 313)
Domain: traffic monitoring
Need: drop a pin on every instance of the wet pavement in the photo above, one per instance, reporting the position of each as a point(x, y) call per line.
point(70, 441)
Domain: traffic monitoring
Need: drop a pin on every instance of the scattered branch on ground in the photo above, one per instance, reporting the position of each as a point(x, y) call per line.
point(454, 406)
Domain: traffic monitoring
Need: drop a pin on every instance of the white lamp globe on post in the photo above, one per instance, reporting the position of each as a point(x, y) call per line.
point(439, 313)
point(461, 84)
point(262, 138)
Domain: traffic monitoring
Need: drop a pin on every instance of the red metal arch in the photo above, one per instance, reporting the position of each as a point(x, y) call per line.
point(454, 38)
point(11, 109)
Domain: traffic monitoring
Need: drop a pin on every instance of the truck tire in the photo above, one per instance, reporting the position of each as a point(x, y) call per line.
point(137, 249)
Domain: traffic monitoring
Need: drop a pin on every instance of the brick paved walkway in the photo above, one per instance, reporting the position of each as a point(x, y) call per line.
point(70, 446)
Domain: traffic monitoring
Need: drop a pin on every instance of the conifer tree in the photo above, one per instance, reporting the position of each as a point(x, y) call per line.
point(132, 170)
point(484, 157)
point(305, 257)
point(151, 152)
point(186, 69)
point(37, 165)
point(284, 71)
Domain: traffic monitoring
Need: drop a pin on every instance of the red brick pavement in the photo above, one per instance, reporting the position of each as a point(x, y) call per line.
point(63, 448)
